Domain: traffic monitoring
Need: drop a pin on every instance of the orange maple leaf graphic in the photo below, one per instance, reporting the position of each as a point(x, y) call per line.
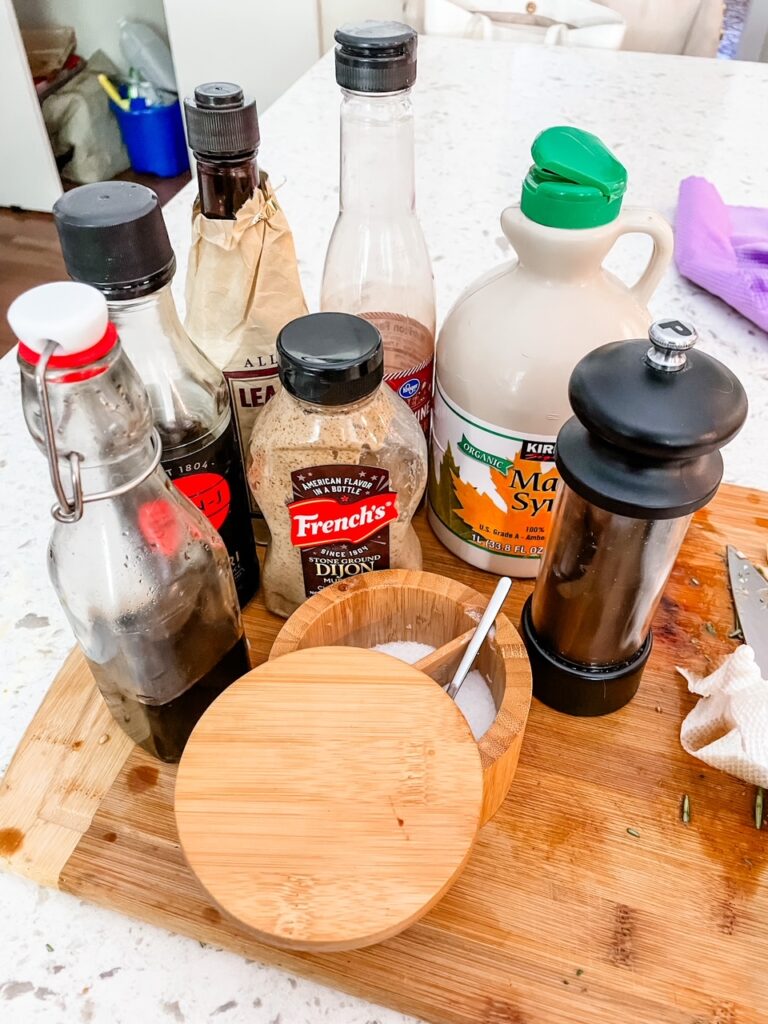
point(527, 491)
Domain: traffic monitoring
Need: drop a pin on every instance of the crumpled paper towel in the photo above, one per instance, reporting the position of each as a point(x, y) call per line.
point(728, 728)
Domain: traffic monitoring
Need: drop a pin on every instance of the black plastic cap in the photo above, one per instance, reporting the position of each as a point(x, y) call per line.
point(330, 358)
point(649, 424)
point(113, 237)
point(630, 485)
point(619, 395)
point(376, 56)
point(578, 689)
point(221, 121)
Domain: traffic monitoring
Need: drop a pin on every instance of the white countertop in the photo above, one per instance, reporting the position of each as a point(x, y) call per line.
point(479, 106)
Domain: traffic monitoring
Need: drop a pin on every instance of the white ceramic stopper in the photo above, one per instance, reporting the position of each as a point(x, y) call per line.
point(71, 314)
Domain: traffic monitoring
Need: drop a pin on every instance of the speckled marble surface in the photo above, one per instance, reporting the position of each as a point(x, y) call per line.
point(479, 106)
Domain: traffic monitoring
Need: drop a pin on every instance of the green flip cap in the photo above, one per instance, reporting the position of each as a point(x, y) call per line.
point(575, 181)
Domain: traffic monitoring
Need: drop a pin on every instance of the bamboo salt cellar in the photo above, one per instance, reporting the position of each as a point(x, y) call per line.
point(332, 796)
point(388, 606)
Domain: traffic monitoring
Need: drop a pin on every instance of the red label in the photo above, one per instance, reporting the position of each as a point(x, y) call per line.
point(316, 521)
point(210, 492)
point(340, 517)
point(408, 343)
point(415, 387)
point(160, 526)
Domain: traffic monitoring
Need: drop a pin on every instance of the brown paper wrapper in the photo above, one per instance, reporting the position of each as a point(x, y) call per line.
point(242, 287)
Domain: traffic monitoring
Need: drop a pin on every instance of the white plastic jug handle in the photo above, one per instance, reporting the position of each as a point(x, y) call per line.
point(634, 220)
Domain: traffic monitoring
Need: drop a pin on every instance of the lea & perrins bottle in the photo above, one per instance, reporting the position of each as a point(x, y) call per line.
point(377, 265)
point(113, 237)
point(242, 276)
point(142, 575)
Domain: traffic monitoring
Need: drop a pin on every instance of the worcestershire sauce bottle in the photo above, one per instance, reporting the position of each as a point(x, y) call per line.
point(113, 237)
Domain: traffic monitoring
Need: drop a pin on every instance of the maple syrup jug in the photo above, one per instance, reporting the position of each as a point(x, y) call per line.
point(508, 346)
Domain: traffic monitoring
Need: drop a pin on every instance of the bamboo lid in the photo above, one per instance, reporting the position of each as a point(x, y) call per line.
point(329, 798)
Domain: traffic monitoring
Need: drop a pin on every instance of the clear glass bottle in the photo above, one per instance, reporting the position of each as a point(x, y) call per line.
point(142, 575)
point(113, 237)
point(338, 464)
point(377, 264)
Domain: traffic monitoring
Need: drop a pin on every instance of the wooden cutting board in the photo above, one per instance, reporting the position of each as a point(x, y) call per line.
point(562, 916)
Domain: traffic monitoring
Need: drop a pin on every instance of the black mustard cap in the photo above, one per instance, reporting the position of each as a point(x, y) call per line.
point(221, 121)
point(649, 424)
point(330, 358)
point(376, 56)
point(113, 237)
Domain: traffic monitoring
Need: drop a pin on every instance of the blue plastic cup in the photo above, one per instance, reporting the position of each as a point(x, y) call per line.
point(154, 138)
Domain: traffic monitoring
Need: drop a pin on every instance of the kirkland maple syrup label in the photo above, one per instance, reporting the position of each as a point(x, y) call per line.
point(408, 343)
point(491, 487)
point(250, 388)
point(340, 518)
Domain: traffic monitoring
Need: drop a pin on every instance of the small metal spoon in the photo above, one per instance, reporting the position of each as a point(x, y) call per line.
point(493, 608)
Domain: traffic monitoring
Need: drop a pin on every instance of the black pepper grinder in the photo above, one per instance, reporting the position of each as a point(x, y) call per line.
point(640, 456)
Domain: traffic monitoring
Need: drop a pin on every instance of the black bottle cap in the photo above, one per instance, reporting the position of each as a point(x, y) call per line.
point(376, 56)
point(630, 485)
point(628, 394)
point(113, 237)
point(330, 358)
point(649, 424)
point(221, 122)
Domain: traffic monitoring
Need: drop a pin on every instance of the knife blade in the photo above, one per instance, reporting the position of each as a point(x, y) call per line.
point(750, 595)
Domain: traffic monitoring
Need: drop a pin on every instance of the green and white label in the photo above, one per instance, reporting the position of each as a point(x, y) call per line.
point(492, 487)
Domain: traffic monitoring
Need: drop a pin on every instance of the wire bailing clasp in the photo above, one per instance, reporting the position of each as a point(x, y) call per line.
point(70, 510)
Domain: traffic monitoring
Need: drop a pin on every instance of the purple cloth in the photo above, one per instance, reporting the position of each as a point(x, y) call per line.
point(723, 248)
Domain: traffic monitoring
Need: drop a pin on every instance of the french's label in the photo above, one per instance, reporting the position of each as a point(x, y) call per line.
point(340, 517)
point(493, 488)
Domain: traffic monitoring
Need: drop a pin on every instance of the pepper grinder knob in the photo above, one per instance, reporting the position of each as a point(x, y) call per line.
point(670, 339)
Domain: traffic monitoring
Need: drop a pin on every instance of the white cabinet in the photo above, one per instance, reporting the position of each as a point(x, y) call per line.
point(263, 47)
point(28, 174)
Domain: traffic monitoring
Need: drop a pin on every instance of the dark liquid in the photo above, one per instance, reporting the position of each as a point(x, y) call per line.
point(225, 185)
point(602, 579)
point(163, 729)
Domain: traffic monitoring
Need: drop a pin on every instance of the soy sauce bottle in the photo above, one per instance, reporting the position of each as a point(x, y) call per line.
point(113, 237)
point(142, 575)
